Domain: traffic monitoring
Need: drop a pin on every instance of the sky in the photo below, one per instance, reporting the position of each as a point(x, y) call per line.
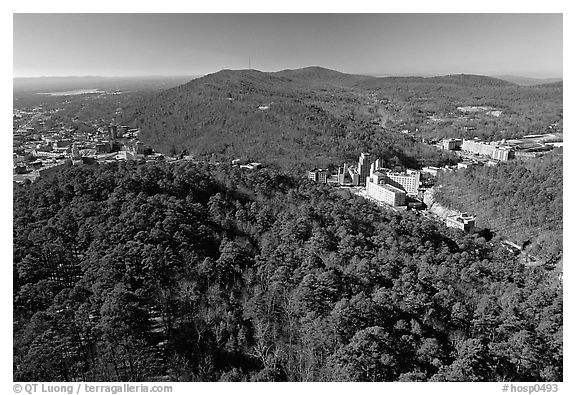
point(528, 45)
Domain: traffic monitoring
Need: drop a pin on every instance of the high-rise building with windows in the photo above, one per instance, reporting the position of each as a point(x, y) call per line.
point(364, 164)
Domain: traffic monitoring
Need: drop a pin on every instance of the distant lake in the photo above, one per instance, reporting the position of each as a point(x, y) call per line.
point(71, 93)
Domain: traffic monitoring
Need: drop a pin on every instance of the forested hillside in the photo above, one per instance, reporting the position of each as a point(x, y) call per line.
point(315, 117)
point(291, 119)
point(190, 272)
point(521, 200)
point(431, 106)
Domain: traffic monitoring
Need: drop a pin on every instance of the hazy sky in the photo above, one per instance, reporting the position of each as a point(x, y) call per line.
point(192, 44)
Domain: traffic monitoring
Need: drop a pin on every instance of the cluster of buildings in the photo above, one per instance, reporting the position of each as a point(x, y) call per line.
point(38, 152)
point(465, 114)
point(535, 145)
point(480, 109)
point(346, 175)
point(382, 185)
point(392, 188)
point(398, 190)
point(529, 146)
point(377, 189)
point(495, 150)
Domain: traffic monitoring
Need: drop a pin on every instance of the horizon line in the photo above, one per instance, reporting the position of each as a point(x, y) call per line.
point(109, 76)
point(377, 75)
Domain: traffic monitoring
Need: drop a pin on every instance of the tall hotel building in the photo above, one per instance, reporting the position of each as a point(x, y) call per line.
point(364, 166)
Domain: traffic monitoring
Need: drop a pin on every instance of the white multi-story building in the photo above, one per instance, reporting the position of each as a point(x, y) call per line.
point(383, 192)
point(477, 147)
point(409, 181)
point(502, 153)
point(493, 150)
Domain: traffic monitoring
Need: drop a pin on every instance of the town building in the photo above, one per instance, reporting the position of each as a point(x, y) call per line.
point(462, 221)
point(364, 163)
point(251, 166)
point(44, 154)
point(451, 144)
point(431, 170)
point(88, 152)
point(502, 153)
point(75, 155)
point(526, 154)
point(477, 147)
point(348, 176)
point(103, 147)
point(354, 176)
point(494, 150)
point(319, 175)
point(137, 147)
point(65, 143)
point(409, 181)
point(376, 189)
point(128, 154)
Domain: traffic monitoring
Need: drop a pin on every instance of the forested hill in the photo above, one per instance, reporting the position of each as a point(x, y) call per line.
point(521, 200)
point(315, 116)
point(272, 117)
point(477, 81)
point(126, 272)
point(552, 85)
point(462, 80)
point(322, 76)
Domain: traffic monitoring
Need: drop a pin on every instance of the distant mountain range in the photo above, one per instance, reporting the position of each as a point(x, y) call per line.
point(526, 81)
point(54, 84)
point(308, 74)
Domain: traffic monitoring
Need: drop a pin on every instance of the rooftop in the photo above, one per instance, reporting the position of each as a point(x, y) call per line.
point(392, 188)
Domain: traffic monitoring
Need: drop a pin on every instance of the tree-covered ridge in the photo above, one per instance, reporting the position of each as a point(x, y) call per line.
point(521, 200)
point(270, 118)
point(525, 109)
point(190, 272)
point(315, 117)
